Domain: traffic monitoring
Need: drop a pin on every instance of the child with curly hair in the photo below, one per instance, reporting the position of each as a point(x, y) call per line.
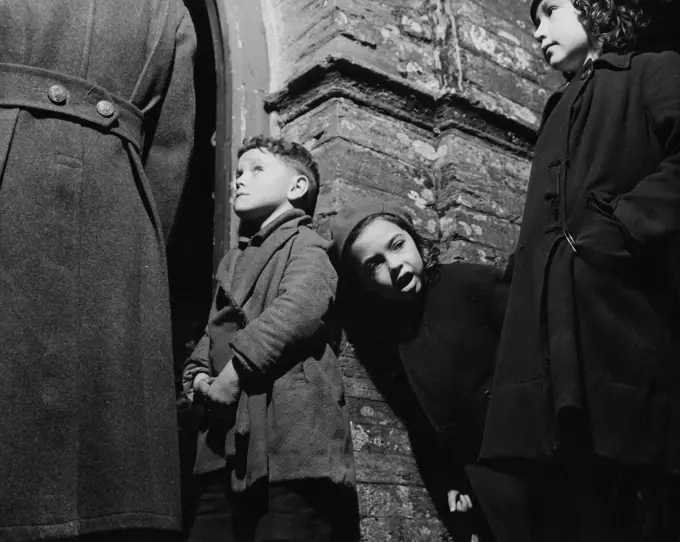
point(586, 389)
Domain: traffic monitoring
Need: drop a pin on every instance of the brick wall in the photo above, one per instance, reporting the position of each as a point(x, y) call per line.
point(431, 104)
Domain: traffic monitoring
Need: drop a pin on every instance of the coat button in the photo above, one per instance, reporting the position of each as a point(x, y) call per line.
point(57, 94)
point(105, 108)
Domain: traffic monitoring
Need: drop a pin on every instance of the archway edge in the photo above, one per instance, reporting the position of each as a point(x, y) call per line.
point(242, 72)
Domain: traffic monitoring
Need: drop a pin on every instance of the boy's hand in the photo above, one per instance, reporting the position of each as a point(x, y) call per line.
point(225, 389)
point(199, 388)
point(459, 501)
point(202, 383)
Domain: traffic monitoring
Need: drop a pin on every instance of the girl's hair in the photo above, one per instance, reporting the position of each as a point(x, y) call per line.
point(427, 248)
point(615, 25)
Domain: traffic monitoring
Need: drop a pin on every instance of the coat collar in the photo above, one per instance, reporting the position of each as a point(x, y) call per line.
point(243, 274)
point(619, 61)
point(290, 219)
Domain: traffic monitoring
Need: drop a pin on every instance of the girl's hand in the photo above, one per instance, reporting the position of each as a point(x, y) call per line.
point(458, 501)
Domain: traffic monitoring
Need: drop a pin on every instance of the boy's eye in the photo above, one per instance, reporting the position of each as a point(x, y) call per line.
point(258, 168)
point(238, 173)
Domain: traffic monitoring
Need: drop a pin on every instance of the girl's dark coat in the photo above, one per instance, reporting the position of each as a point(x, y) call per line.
point(88, 433)
point(594, 329)
point(448, 356)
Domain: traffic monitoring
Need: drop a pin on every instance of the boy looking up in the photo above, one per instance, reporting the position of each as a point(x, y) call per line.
point(277, 439)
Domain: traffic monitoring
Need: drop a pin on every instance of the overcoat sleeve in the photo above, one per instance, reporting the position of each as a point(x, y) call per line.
point(220, 320)
point(169, 153)
point(296, 315)
point(652, 208)
point(198, 362)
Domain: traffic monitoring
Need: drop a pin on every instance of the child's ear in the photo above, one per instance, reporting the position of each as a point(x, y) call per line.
point(298, 189)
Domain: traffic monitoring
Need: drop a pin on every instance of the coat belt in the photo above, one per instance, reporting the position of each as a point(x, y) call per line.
point(27, 87)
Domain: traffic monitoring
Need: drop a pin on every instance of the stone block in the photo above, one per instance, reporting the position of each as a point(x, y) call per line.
point(367, 128)
point(361, 388)
point(352, 173)
point(511, 56)
point(480, 228)
point(457, 250)
point(373, 468)
point(482, 178)
point(394, 39)
point(369, 412)
point(395, 500)
point(400, 529)
point(501, 81)
point(516, 31)
point(381, 440)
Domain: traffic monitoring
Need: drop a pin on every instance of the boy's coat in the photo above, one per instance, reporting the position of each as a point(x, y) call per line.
point(292, 421)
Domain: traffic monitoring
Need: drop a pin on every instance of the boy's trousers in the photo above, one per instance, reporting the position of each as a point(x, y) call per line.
point(302, 510)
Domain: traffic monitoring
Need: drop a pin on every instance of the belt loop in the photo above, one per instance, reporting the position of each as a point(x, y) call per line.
point(28, 87)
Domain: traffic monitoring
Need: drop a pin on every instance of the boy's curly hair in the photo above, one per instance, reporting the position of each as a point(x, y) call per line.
point(428, 249)
point(296, 156)
point(613, 23)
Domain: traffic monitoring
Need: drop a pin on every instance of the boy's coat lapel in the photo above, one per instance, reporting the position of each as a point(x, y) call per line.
point(251, 263)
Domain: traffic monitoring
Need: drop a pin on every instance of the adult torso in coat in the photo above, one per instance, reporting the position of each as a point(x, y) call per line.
point(88, 437)
point(592, 325)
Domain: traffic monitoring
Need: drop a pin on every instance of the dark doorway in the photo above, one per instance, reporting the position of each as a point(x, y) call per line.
point(190, 249)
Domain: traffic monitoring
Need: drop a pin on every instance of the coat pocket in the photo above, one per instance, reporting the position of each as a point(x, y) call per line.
point(599, 238)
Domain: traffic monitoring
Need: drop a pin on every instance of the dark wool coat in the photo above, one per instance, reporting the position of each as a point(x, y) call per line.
point(449, 356)
point(292, 421)
point(96, 124)
point(591, 333)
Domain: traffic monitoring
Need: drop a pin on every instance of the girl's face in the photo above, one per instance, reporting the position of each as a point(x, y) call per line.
point(387, 260)
point(564, 41)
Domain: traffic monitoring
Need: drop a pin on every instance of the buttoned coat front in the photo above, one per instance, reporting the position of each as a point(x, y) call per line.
point(592, 331)
point(96, 129)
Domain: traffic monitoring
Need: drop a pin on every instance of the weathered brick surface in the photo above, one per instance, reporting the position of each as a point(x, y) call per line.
point(392, 36)
point(429, 104)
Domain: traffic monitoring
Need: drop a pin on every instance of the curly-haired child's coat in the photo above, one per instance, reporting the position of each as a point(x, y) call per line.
point(595, 328)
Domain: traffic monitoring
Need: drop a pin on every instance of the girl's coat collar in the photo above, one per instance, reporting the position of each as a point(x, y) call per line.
point(619, 61)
